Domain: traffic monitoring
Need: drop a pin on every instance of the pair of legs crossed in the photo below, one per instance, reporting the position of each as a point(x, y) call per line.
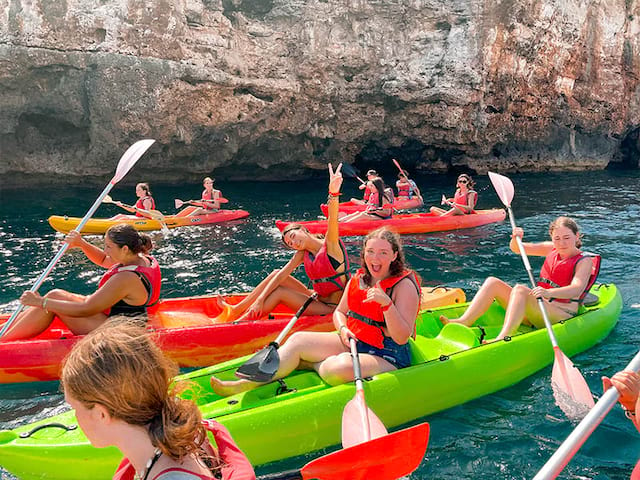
point(518, 303)
point(323, 352)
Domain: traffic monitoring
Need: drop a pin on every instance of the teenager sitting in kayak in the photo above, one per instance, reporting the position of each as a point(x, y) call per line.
point(378, 310)
point(325, 262)
point(145, 201)
point(407, 188)
point(209, 200)
point(120, 385)
point(566, 276)
point(379, 206)
point(463, 201)
point(131, 284)
point(627, 383)
point(367, 187)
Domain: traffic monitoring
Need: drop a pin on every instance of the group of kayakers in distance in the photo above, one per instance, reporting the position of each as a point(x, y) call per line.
point(131, 402)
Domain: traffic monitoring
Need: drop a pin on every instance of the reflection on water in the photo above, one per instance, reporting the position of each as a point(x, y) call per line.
point(509, 434)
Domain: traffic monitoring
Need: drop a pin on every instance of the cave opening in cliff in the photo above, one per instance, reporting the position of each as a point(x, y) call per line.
point(629, 154)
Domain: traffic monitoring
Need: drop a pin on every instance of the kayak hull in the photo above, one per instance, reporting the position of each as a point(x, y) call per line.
point(408, 223)
point(185, 330)
point(449, 367)
point(97, 226)
point(351, 207)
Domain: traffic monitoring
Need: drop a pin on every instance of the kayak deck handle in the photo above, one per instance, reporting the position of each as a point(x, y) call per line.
point(47, 425)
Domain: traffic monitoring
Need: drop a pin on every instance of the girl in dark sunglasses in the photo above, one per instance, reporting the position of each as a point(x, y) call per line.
point(463, 201)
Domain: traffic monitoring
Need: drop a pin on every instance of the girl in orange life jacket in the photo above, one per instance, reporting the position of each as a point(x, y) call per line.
point(120, 385)
point(379, 206)
point(367, 187)
point(463, 201)
point(145, 200)
point(379, 310)
point(325, 262)
point(132, 283)
point(567, 275)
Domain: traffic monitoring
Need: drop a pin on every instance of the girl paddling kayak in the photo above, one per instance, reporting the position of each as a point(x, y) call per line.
point(325, 262)
point(464, 200)
point(131, 284)
point(145, 201)
point(120, 385)
point(565, 279)
point(379, 206)
point(379, 311)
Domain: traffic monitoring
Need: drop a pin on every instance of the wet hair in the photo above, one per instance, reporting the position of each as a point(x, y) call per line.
point(124, 234)
point(207, 179)
point(470, 182)
point(569, 223)
point(145, 187)
point(119, 367)
point(297, 226)
point(398, 265)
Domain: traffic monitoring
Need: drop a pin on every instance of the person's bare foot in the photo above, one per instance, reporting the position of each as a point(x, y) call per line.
point(224, 388)
point(444, 320)
point(226, 312)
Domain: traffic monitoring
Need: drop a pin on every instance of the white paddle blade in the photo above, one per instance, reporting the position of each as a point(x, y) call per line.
point(178, 203)
point(354, 431)
point(570, 389)
point(503, 186)
point(130, 157)
point(107, 199)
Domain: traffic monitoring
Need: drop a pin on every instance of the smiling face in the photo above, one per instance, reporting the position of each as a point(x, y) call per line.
point(378, 255)
point(140, 191)
point(295, 238)
point(462, 183)
point(113, 250)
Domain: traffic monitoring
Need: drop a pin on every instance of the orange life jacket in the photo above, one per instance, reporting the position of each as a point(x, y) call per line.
point(557, 272)
point(140, 204)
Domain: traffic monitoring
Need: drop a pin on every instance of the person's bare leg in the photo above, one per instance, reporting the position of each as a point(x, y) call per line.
point(436, 210)
point(338, 369)
point(301, 347)
point(293, 299)
point(492, 289)
point(515, 310)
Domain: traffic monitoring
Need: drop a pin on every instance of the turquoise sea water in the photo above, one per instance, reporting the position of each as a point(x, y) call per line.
point(507, 435)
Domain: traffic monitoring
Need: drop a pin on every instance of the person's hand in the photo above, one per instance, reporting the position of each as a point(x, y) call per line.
point(628, 385)
point(335, 179)
point(255, 311)
point(378, 295)
point(540, 292)
point(517, 232)
point(345, 335)
point(74, 239)
point(31, 299)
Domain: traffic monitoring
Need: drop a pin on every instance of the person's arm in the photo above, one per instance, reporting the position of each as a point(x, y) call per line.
point(332, 238)
point(540, 249)
point(216, 195)
point(340, 316)
point(279, 277)
point(628, 385)
point(400, 312)
point(120, 286)
point(93, 253)
point(147, 204)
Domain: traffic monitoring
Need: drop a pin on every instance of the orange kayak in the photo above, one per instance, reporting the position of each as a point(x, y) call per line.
point(186, 329)
point(350, 207)
point(409, 223)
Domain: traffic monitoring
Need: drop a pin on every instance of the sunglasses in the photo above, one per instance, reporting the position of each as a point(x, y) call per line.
point(464, 182)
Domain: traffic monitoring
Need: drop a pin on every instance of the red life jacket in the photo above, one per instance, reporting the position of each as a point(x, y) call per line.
point(324, 277)
point(366, 319)
point(404, 189)
point(140, 204)
point(559, 273)
point(463, 199)
point(150, 277)
point(235, 465)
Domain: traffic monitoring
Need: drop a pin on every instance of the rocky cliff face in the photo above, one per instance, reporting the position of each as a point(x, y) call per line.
point(277, 88)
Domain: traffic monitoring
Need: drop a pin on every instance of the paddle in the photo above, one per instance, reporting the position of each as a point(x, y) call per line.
point(197, 203)
point(264, 364)
point(574, 441)
point(568, 383)
point(153, 214)
point(127, 161)
point(359, 423)
point(350, 171)
point(386, 458)
point(395, 162)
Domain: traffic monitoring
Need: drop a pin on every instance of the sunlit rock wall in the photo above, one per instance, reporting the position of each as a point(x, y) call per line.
point(276, 88)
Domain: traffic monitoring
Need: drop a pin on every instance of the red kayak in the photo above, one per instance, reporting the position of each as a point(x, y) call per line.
point(409, 223)
point(350, 207)
point(185, 328)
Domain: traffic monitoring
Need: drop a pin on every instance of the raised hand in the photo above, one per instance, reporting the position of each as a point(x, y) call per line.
point(378, 295)
point(335, 179)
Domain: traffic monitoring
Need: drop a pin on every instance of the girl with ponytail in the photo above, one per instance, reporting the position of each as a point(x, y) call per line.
point(130, 285)
point(120, 385)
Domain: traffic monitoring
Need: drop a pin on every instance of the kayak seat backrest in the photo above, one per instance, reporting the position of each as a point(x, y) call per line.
point(590, 300)
point(453, 338)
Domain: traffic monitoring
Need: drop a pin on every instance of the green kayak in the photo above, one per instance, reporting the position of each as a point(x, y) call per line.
point(303, 414)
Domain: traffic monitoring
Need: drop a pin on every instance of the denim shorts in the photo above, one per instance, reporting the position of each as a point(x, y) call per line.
point(397, 355)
